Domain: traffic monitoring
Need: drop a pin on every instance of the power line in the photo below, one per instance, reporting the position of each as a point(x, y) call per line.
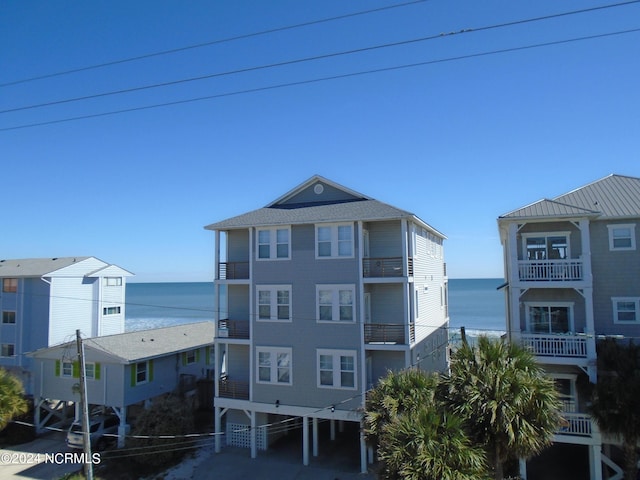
point(320, 79)
point(310, 59)
point(212, 42)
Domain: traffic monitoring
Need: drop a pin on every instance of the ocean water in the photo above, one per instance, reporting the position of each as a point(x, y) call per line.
point(475, 304)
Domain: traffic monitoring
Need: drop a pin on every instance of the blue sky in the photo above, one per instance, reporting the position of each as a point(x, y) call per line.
point(458, 140)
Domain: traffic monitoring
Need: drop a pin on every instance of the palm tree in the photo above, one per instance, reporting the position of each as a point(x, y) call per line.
point(508, 403)
point(428, 444)
point(416, 438)
point(12, 401)
point(615, 404)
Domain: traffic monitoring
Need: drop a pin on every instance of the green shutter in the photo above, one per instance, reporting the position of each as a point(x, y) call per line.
point(133, 374)
point(150, 370)
point(96, 371)
point(184, 359)
point(76, 369)
point(197, 355)
point(57, 368)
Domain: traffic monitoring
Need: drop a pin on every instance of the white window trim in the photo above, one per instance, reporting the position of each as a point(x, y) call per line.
point(336, 354)
point(635, 300)
point(546, 235)
point(336, 303)
point(191, 357)
point(572, 398)
point(570, 305)
point(273, 352)
point(146, 372)
point(8, 345)
point(93, 371)
point(334, 240)
point(273, 243)
point(106, 311)
point(64, 363)
point(112, 281)
point(632, 232)
point(274, 302)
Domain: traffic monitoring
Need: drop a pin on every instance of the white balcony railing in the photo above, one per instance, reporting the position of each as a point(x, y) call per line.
point(550, 270)
point(576, 424)
point(558, 345)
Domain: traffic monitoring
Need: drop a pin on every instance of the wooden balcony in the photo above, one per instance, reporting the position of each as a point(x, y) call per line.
point(384, 267)
point(233, 389)
point(233, 329)
point(550, 270)
point(233, 270)
point(556, 345)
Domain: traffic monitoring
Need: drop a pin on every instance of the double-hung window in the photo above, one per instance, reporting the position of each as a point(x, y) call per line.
point(8, 316)
point(626, 309)
point(550, 318)
point(274, 365)
point(7, 350)
point(335, 303)
point(274, 243)
point(622, 237)
point(274, 303)
point(336, 368)
point(334, 241)
point(67, 368)
point(9, 285)
point(141, 372)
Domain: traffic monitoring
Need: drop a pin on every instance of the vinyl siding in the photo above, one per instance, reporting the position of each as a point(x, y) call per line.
point(385, 239)
point(72, 307)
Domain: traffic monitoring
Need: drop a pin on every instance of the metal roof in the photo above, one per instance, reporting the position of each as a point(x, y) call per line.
point(35, 267)
point(614, 196)
point(142, 345)
point(359, 209)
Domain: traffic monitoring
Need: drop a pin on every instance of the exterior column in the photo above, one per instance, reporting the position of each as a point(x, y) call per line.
point(595, 462)
point(254, 443)
point(218, 429)
point(123, 427)
point(523, 468)
point(363, 452)
point(332, 429)
point(305, 441)
point(315, 437)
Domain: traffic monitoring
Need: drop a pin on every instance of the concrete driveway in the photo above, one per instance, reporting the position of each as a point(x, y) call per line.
point(45, 458)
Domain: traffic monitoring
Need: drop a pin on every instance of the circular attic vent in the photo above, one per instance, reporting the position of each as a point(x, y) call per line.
point(318, 188)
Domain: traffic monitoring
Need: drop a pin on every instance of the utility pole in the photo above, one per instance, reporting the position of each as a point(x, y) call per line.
point(86, 434)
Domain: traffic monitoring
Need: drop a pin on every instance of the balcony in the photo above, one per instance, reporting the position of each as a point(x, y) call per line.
point(233, 329)
point(233, 270)
point(576, 424)
point(550, 270)
point(233, 389)
point(556, 346)
point(385, 267)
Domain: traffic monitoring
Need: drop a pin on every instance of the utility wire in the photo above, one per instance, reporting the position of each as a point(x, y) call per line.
point(212, 42)
point(320, 79)
point(309, 59)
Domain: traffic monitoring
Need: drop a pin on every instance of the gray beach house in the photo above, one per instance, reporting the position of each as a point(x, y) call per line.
point(318, 295)
point(571, 266)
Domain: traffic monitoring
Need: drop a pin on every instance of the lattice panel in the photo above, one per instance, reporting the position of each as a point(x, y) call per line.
point(239, 435)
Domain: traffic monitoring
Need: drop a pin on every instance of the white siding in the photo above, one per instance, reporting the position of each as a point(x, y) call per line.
point(73, 306)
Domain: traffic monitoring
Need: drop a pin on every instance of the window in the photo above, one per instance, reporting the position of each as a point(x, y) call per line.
point(67, 369)
point(622, 237)
point(111, 311)
point(547, 246)
point(90, 371)
point(626, 309)
point(10, 285)
point(274, 303)
point(141, 372)
point(335, 303)
point(274, 365)
point(8, 317)
point(7, 350)
point(336, 369)
point(274, 244)
point(112, 281)
point(190, 357)
point(549, 318)
point(334, 241)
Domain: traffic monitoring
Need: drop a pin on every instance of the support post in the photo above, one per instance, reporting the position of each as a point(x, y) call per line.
point(254, 443)
point(86, 435)
point(332, 429)
point(218, 429)
point(363, 452)
point(305, 442)
point(315, 436)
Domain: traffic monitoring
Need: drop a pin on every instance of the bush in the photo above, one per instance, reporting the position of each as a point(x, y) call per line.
point(167, 416)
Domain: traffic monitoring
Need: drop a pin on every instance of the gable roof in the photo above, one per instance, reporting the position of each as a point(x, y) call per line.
point(142, 345)
point(614, 196)
point(41, 267)
point(333, 203)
